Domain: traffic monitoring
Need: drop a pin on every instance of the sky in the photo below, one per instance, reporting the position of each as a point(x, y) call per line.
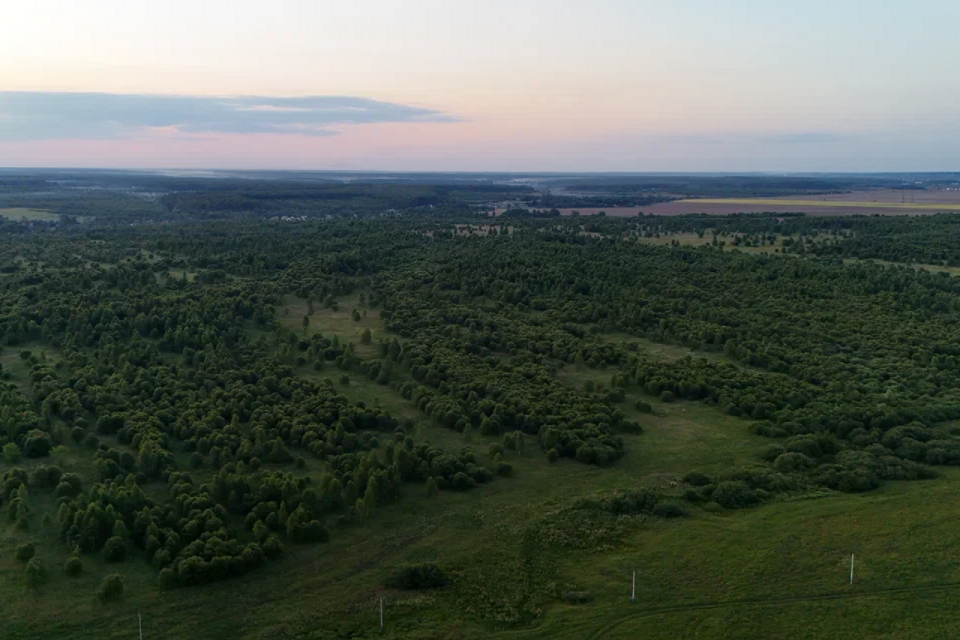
point(487, 85)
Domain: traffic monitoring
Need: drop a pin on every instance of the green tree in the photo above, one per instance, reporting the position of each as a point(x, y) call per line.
point(111, 588)
point(73, 567)
point(11, 452)
point(167, 579)
point(115, 549)
point(25, 552)
point(36, 572)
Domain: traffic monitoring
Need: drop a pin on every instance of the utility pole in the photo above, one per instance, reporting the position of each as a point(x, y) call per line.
point(633, 590)
point(851, 568)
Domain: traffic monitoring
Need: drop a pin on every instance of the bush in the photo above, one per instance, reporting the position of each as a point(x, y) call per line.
point(642, 406)
point(167, 579)
point(631, 427)
point(669, 510)
point(312, 531)
point(462, 482)
point(111, 588)
point(36, 572)
point(44, 476)
point(272, 547)
point(432, 489)
point(667, 396)
point(697, 479)
point(788, 462)
point(552, 456)
point(418, 576)
point(25, 552)
point(115, 550)
point(772, 453)
point(73, 567)
point(577, 597)
point(767, 430)
point(69, 486)
point(37, 444)
point(807, 445)
point(11, 452)
point(504, 469)
point(634, 501)
point(734, 494)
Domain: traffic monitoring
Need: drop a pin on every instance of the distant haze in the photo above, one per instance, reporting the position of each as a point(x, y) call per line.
point(513, 85)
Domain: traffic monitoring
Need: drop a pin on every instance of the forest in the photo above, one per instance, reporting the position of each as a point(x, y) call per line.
point(189, 403)
point(113, 196)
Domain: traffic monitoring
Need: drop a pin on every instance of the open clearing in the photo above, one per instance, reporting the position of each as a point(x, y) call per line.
point(22, 213)
point(695, 240)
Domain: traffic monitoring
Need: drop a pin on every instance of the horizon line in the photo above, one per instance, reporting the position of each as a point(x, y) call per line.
point(749, 172)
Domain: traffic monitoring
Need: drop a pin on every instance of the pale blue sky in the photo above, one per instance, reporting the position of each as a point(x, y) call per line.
point(492, 85)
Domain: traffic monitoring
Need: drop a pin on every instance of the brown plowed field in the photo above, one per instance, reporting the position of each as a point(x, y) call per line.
point(883, 202)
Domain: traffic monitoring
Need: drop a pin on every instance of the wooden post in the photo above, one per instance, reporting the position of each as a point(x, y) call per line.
point(851, 568)
point(381, 614)
point(633, 590)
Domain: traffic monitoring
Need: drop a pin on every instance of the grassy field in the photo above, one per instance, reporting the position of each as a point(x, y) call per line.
point(512, 549)
point(935, 268)
point(22, 213)
point(695, 240)
point(338, 322)
point(17, 367)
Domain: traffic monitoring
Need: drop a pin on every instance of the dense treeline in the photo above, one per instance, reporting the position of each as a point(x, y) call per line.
point(98, 197)
point(331, 199)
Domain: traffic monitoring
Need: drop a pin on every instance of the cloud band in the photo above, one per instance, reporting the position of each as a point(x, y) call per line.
point(58, 115)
